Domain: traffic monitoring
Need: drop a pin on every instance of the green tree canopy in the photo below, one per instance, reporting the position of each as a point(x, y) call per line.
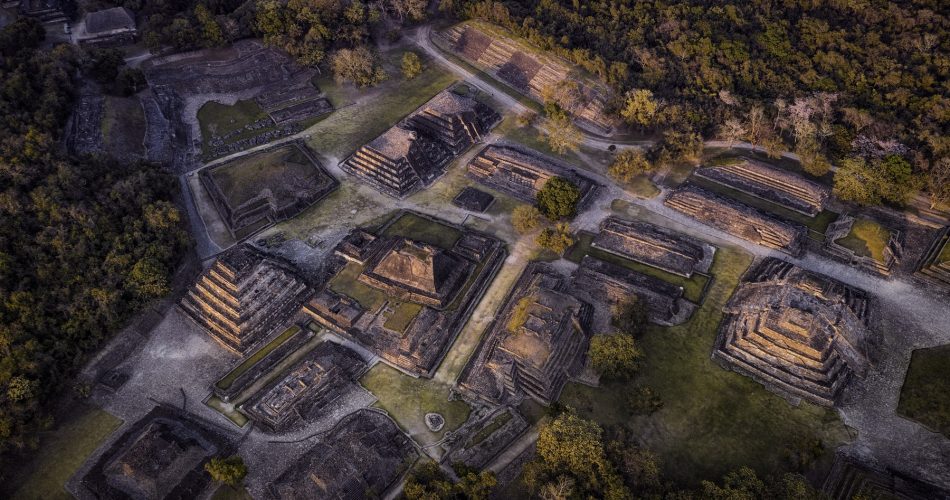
point(614, 356)
point(558, 198)
point(230, 470)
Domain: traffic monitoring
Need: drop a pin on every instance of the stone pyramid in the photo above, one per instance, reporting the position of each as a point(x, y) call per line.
point(418, 272)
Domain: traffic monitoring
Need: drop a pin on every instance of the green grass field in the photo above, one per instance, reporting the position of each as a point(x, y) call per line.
point(410, 225)
point(867, 239)
point(530, 137)
point(408, 399)
point(712, 420)
point(245, 178)
point(347, 283)
point(692, 286)
point(642, 187)
point(251, 360)
point(402, 315)
point(62, 452)
point(925, 396)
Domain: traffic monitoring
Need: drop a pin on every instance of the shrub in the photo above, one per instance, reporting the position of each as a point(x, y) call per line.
point(558, 198)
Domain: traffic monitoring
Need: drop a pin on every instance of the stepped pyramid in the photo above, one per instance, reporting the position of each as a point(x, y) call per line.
point(243, 297)
point(798, 333)
point(417, 272)
point(935, 264)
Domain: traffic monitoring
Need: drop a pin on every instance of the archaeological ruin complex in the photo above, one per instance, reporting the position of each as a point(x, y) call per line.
point(244, 297)
point(522, 174)
point(934, 266)
point(413, 153)
point(770, 183)
point(655, 246)
point(402, 299)
point(738, 219)
point(530, 72)
point(536, 344)
point(800, 334)
point(363, 455)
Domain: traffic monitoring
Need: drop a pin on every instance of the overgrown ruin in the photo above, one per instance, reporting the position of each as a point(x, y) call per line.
point(934, 266)
point(535, 345)
point(413, 153)
point(363, 455)
point(738, 219)
point(770, 183)
point(798, 333)
point(244, 297)
point(522, 174)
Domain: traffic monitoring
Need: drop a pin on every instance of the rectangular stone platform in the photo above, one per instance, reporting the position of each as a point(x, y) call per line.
point(770, 183)
point(655, 246)
point(522, 173)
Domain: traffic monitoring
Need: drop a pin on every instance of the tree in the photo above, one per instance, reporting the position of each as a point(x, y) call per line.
point(230, 471)
point(358, 66)
point(411, 65)
point(411, 10)
point(525, 218)
point(630, 315)
point(557, 239)
point(938, 182)
point(130, 81)
point(614, 356)
point(870, 183)
point(149, 278)
point(561, 134)
point(639, 108)
point(854, 181)
point(210, 29)
point(427, 482)
point(103, 64)
point(733, 130)
point(628, 164)
point(676, 146)
point(558, 198)
point(740, 484)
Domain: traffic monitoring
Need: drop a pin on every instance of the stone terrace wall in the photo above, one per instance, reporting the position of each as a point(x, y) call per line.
point(655, 246)
point(773, 184)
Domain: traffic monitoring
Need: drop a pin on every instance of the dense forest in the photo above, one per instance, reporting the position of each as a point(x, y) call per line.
point(84, 242)
point(832, 79)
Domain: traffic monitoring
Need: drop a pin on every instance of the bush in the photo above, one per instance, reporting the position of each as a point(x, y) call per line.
point(614, 356)
point(230, 471)
point(525, 218)
point(643, 400)
point(628, 164)
point(630, 316)
point(557, 239)
point(358, 65)
point(411, 65)
point(558, 198)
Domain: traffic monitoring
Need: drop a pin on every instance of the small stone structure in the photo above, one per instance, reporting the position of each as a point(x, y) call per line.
point(934, 266)
point(434, 422)
point(609, 285)
point(412, 154)
point(840, 228)
point(160, 456)
point(532, 73)
point(244, 297)
point(274, 198)
point(654, 246)
point(538, 341)
point(107, 28)
point(738, 219)
point(473, 200)
point(364, 455)
point(849, 479)
point(44, 11)
point(446, 283)
point(522, 173)
point(485, 438)
point(306, 388)
point(773, 184)
point(798, 333)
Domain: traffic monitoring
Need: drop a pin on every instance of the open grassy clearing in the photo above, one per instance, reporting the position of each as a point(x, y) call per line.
point(347, 282)
point(63, 450)
point(925, 396)
point(642, 187)
point(692, 286)
point(403, 314)
point(276, 170)
point(410, 225)
point(123, 126)
point(867, 239)
point(252, 360)
point(375, 109)
point(818, 224)
point(408, 399)
point(532, 138)
point(712, 420)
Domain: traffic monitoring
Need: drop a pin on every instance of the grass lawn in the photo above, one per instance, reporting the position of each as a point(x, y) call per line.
point(225, 492)
point(410, 225)
point(712, 420)
point(346, 282)
point(925, 396)
point(63, 450)
point(123, 125)
point(819, 223)
point(408, 399)
point(245, 178)
point(642, 187)
point(402, 315)
point(867, 239)
point(251, 360)
point(692, 286)
point(372, 110)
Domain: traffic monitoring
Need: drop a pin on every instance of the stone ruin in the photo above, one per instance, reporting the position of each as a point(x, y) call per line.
point(522, 174)
point(447, 284)
point(44, 11)
point(473, 200)
point(798, 333)
point(275, 201)
point(893, 251)
point(483, 438)
point(531, 74)
point(654, 246)
point(244, 297)
point(849, 478)
point(363, 456)
point(773, 184)
point(306, 388)
point(738, 219)
point(934, 266)
point(609, 285)
point(161, 456)
point(536, 344)
point(107, 28)
point(412, 154)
